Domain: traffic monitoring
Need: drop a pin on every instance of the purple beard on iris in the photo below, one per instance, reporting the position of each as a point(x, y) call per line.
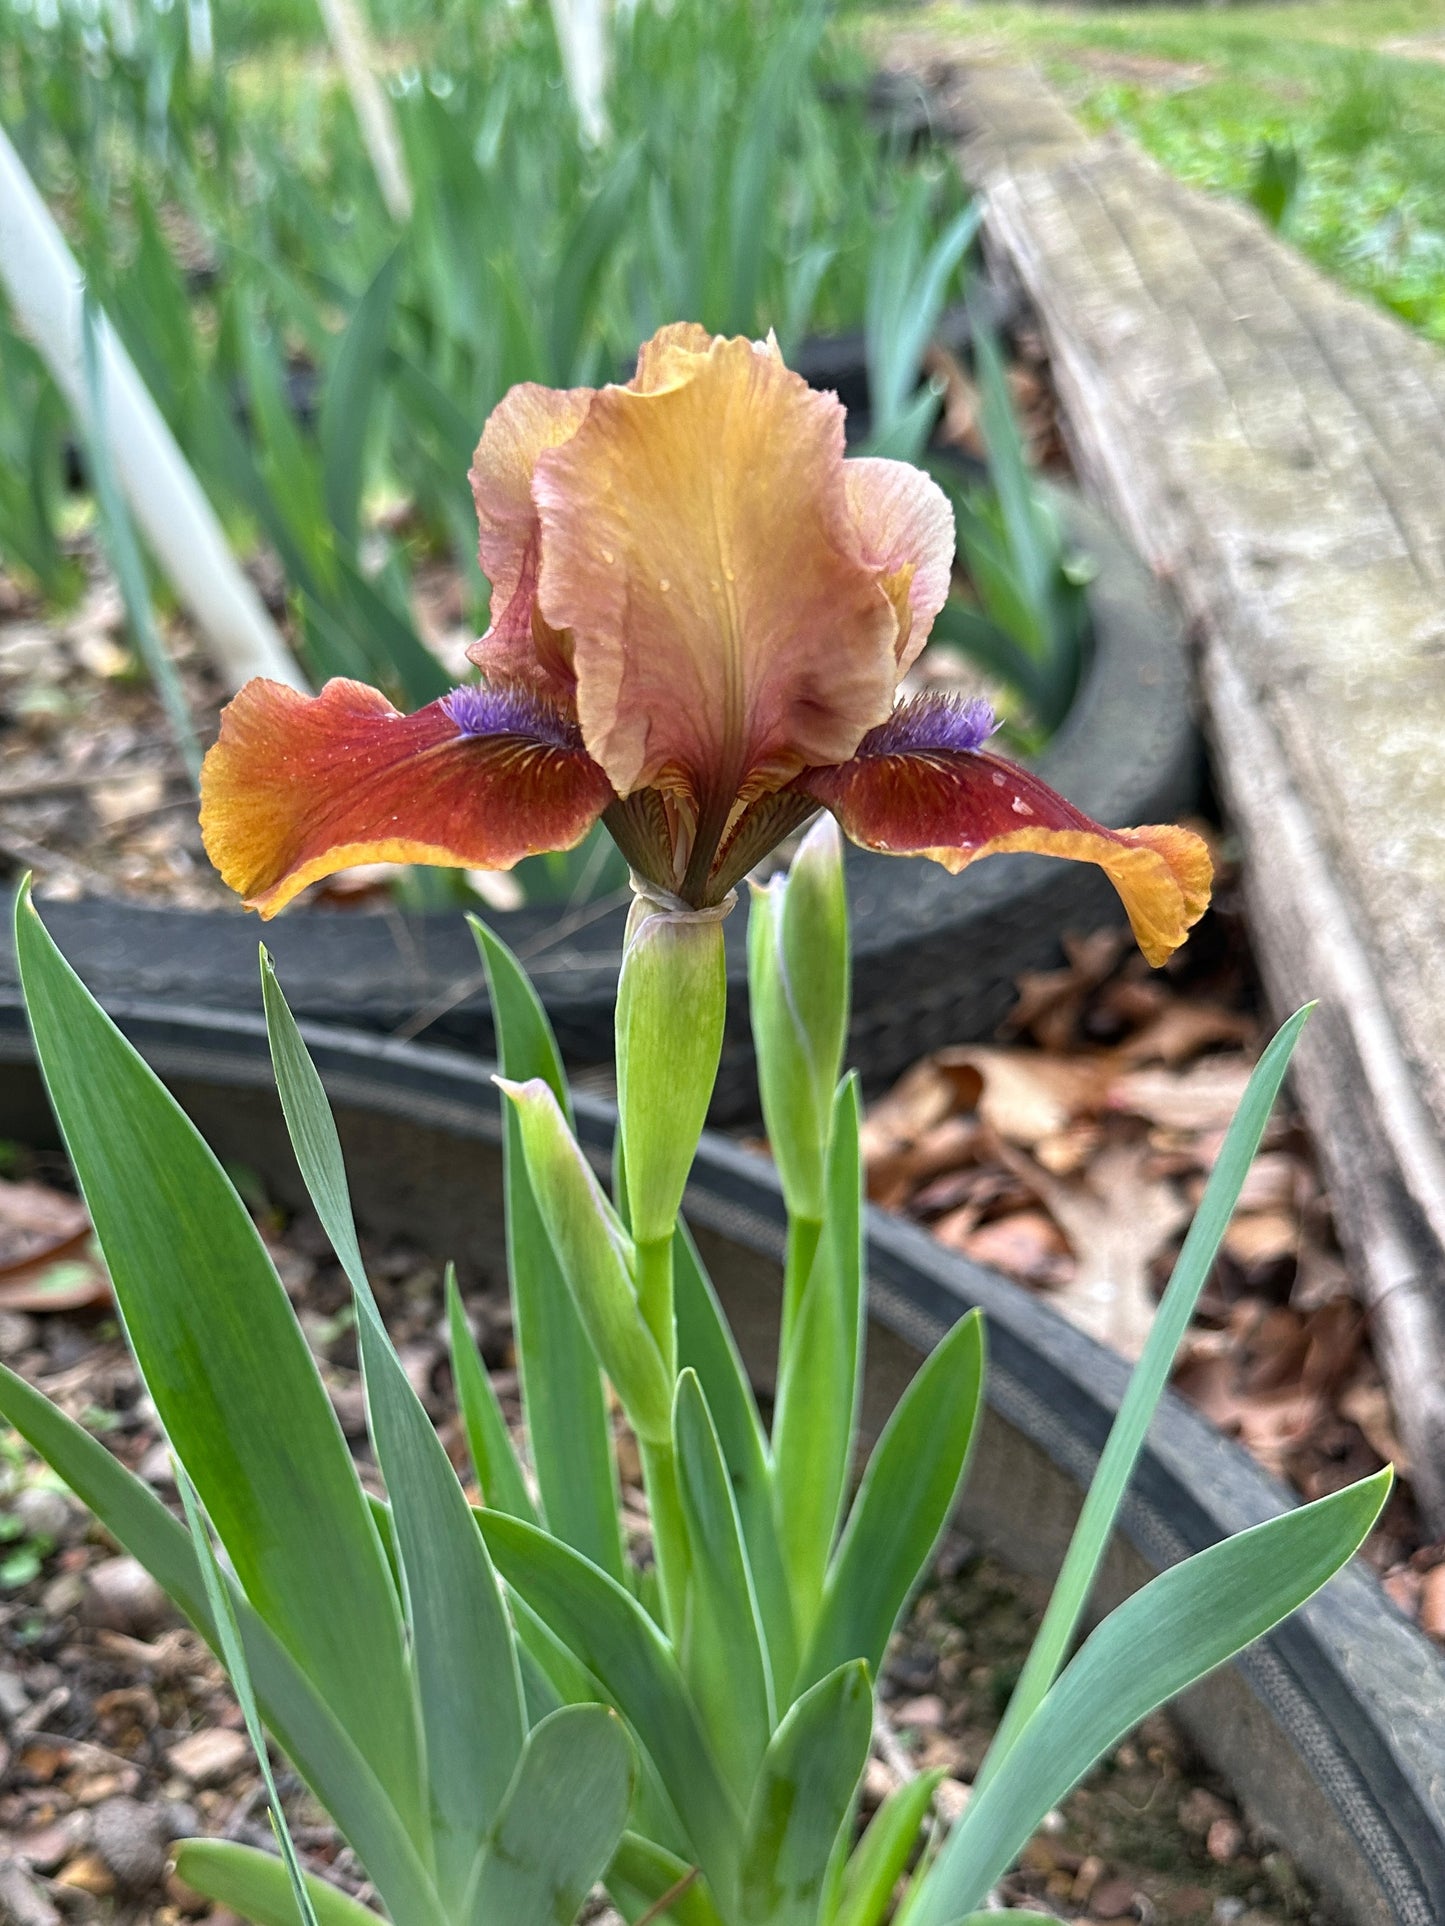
point(943, 723)
point(481, 711)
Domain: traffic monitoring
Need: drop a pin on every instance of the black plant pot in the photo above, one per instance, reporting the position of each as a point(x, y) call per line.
point(935, 956)
point(1331, 1731)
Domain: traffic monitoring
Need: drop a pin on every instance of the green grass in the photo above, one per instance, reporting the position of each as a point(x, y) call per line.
point(1208, 91)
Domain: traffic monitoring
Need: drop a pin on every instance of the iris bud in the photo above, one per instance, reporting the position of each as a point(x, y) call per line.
point(798, 986)
point(670, 1007)
point(596, 1257)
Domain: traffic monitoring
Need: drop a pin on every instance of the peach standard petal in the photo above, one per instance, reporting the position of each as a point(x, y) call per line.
point(662, 360)
point(527, 420)
point(905, 526)
point(699, 545)
point(297, 787)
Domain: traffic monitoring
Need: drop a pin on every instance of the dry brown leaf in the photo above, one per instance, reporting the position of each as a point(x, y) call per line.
point(1432, 1602)
point(922, 1097)
point(65, 1276)
point(1336, 1339)
point(1273, 1425)
point(1261, 1238)
point(1027, 1095)
point(897, 1174)
point(1050, 1002)
point(38, 1209)
point(1403, 1586)
point(1182, 1029)
point(1066, 1154)
point(1203, 1097)
point(1367, 1404)
point(1276, 1180)
point(1026, 1244)
point(128, 797)
point(959, 425)
point(1272, 1348)
point(1118, 1217)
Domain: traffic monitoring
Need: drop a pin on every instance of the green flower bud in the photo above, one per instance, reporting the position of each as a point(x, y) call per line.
point(596, 1257)
point(670, 1007)
point(798, 981)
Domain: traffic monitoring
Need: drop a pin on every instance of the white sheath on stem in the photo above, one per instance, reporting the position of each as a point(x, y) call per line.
point(582, 30)
point(352, 46)
point(45, 287)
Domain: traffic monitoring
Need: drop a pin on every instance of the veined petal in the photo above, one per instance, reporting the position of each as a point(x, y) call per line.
point(698, 543)
point(297, 786)
point(528, 419)
point(923, 785)
point(658, 363)
point(905, 525)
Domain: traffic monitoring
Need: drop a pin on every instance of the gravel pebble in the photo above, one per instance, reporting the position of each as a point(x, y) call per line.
point(45, 1514)
point(14, 1699)
point(209, 1758)
point(121, 1596)
point(132, 1840)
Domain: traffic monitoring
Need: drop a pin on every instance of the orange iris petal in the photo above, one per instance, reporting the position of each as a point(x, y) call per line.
point(905, 525)
point(299, 786)
point(518, 647)
point(957, 805)
point(699, 544)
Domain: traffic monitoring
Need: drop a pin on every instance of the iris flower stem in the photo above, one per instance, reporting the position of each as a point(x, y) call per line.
point(653, 1274)
point(804, 1235)
point(669, 1536)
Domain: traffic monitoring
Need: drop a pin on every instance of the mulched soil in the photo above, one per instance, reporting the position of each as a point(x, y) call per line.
point(94, 796)
point(120, 1734)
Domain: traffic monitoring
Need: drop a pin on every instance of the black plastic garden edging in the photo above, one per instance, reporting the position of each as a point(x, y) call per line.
point(936, 957)
point(1331, 1731)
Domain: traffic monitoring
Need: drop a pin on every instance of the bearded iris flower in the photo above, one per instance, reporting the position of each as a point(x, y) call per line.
point(701, 614)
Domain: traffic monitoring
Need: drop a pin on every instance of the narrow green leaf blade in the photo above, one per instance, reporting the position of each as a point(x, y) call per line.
point(562, 1390)
point(233, 1654)
point(612, 1636)
point(582, 262)
point(643, 1874)
point(882, 1855)
point(468, 1684)
point(903, 1504)
point(814, 1428)
point(803, 1796)
point(290, 1704)
point(258, 1887)
point(348, 405)
point(400, 658)
point(1181, 1625)
point(490, 1443)
point(706, 1345)
point(560, 1822)
point(1011, 1918)
point(1126, 1437)
point(225, 1361)
point(724, 1659)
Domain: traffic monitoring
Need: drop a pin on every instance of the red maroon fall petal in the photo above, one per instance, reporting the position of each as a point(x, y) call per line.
point(297, 786)
point(921, 785)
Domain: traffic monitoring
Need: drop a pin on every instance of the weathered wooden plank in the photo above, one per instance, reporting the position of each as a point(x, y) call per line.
point(1277, 449)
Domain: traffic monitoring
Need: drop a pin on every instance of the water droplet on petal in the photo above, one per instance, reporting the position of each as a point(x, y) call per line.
point(664, 584)
point(608, 556)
